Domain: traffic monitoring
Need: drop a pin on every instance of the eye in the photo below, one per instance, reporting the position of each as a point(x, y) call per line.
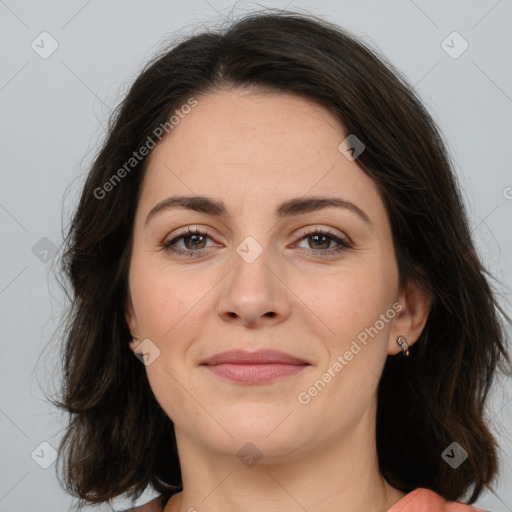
point(322, 239)
point(194, 240)
point(319, 242)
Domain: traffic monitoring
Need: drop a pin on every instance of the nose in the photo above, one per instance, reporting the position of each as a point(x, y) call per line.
point(254, 293)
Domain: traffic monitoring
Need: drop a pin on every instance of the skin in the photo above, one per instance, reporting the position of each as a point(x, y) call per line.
point(253, 150)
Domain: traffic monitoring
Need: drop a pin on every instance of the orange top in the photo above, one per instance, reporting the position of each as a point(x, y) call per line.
point(419, 500)
point(426, 500)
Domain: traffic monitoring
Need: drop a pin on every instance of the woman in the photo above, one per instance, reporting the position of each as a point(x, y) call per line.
point(273, 228)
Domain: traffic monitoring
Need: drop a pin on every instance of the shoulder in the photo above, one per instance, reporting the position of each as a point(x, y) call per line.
point(426, 500)
point(154, 505)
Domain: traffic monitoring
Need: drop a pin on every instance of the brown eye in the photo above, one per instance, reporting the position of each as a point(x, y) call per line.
point(319, 242)
point(193, 241)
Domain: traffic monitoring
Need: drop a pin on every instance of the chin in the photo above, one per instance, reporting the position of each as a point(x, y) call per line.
point(260, 447)
point(271, 429)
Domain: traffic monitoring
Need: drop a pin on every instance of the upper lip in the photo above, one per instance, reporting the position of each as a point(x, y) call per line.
point(264, 356)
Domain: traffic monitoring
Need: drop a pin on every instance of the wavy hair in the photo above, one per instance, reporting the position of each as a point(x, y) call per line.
point(119, 439)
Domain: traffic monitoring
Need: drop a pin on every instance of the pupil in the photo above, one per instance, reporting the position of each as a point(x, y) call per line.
point(316, 237)
point(195, 239)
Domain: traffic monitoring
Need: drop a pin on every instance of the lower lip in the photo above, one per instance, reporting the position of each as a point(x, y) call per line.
point(255, 373)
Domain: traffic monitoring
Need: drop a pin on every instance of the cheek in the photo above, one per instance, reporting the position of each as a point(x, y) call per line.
point(357, 350)
point(354, 300)
point(355, 354)
point(165, 300)
point(168, 317)
point(158, 310)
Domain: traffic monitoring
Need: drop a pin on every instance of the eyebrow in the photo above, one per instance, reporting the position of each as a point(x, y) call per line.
point(295, 206)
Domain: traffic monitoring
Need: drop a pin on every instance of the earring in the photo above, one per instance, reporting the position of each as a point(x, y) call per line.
point(402, 341)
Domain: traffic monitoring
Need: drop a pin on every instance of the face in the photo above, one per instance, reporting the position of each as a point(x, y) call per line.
point(315, 280)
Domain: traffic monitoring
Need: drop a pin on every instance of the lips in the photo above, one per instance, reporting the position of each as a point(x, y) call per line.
point(254, 367)
point(258, 357)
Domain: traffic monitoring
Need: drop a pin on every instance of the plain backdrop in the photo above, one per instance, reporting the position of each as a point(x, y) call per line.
point(65, 65)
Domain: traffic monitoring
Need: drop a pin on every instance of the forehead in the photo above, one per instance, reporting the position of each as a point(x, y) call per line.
point(258, 145)
point(235, 125)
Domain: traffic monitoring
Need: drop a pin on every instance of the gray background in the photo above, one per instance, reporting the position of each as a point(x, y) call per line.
point(53, 111)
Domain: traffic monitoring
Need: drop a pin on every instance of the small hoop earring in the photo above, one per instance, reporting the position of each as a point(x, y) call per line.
point(402, 341)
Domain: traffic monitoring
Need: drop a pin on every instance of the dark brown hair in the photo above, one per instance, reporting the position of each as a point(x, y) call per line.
point(119, 439)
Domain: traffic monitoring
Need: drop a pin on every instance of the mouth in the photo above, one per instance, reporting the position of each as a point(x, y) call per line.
point(254, 367)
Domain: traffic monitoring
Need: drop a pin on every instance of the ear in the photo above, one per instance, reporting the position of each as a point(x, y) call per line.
point(131, 322)
point(411, 317)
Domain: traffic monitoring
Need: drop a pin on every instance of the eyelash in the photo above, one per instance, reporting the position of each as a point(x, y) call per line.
point(343, 243)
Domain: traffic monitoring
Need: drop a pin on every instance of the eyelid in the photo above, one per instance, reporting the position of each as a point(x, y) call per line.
point(191, 229)
point(326, 229)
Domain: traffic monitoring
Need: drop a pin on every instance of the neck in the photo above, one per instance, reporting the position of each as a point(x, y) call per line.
point(341, 475)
